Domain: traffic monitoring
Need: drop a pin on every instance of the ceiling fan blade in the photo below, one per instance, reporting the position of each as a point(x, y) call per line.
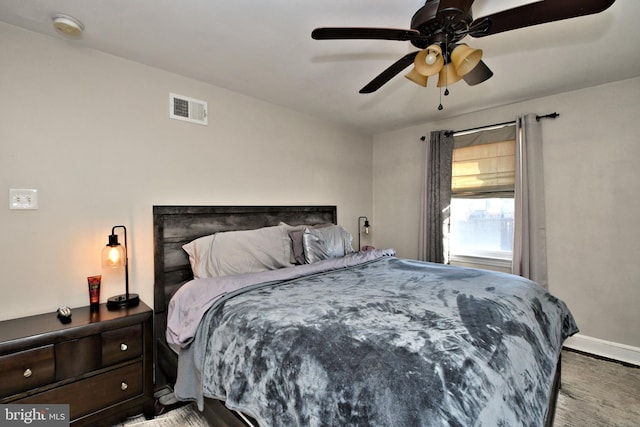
point(479, 74)
point(536, 13)
point(389, 73)
point(336, 33)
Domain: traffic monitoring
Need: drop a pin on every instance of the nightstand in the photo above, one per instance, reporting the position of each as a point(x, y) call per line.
point(101, 363)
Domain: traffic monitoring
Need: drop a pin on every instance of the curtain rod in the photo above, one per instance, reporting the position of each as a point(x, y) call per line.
point(495, 125)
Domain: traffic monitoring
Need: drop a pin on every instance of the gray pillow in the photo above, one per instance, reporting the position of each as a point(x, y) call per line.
point(327, 242)
point(240, 252)
point(295, 234)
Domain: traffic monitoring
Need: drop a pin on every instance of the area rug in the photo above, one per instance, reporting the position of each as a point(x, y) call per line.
point(184, 416)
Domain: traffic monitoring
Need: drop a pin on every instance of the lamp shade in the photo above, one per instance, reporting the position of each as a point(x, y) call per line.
point(448, 75)
point(429, 61)
point(465, 58)
point(113, 254)
point(113, 257)
point(416, 77)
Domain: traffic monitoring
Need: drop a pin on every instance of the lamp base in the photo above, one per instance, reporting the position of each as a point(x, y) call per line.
point(123, 301)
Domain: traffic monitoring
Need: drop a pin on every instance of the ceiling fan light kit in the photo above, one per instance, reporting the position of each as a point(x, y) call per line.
point(465, 59)
point(438, 26)
point(429, 61)
point(417, 78)
point(448, 75)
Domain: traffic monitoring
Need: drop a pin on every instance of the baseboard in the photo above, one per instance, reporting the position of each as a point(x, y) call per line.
point(607, 349)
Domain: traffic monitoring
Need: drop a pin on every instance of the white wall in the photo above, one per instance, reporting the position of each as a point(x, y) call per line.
point(69, 116)
point(592, 177)
point(91, 133)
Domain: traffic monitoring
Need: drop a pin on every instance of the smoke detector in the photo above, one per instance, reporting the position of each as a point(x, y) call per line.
point(67, 25)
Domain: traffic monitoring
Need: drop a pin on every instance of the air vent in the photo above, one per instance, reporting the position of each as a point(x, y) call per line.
point(187, 109)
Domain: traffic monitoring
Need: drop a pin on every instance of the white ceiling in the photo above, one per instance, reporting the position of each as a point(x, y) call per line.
point(263, 48)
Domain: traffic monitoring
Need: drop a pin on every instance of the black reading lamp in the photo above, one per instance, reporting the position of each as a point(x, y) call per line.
point(115, 255)
point(364, 228)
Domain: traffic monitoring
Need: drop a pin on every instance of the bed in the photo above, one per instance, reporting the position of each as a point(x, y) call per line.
point(364, 338)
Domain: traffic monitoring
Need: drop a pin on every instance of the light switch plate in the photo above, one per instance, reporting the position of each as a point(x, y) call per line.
point(23, 198)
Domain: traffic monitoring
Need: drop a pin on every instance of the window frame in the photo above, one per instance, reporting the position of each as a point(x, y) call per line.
point(502, 263)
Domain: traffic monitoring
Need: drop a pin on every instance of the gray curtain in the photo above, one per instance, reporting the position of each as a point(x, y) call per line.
point(529, 240)
point(436, 197)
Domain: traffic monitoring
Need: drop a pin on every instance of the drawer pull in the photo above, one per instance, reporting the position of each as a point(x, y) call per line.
point(124, 386)
point(27, 373)
point(124, 347)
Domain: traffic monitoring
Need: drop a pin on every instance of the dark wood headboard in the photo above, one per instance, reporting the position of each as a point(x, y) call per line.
point(174, 226)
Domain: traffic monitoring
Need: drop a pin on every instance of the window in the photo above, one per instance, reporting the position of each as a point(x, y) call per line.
point(482, 205)
point(482, 227)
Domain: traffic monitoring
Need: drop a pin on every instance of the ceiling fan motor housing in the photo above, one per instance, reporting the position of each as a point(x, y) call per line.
point(447, 25)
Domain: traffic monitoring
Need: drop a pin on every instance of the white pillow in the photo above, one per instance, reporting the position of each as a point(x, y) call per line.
point(239, 252)
point(327, 242)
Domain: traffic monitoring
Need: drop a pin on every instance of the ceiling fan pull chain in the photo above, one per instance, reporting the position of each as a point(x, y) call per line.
point(446, 69)
point(446, 55)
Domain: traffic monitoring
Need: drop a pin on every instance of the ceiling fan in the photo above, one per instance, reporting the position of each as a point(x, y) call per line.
point(439, 26)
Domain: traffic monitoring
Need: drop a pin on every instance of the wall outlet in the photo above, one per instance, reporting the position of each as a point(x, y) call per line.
point(23, 199)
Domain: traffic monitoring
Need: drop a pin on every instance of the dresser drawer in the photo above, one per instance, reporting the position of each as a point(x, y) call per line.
point(121, 345)
point(77, 357)
point(26, 370)
point(95, 393)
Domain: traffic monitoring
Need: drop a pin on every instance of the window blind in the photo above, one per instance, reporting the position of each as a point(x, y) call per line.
point(484, 170)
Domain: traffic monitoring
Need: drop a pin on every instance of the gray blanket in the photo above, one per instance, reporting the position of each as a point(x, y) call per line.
point(389, 342)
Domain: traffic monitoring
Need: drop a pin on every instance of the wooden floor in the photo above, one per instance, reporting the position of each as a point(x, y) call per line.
point(597, 393)
point(594, 393)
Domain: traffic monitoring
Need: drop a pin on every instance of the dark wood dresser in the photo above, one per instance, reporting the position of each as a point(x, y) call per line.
point(101, 363)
